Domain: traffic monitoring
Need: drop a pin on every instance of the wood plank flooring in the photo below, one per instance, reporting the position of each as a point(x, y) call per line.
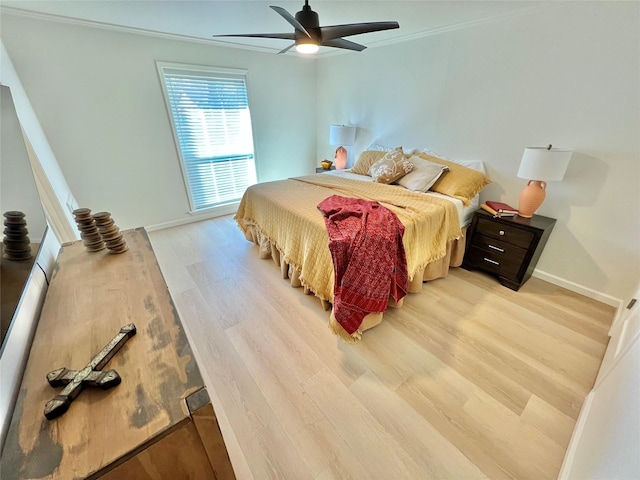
point(467, 380)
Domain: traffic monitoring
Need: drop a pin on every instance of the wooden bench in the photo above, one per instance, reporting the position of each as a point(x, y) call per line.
point(158, 423)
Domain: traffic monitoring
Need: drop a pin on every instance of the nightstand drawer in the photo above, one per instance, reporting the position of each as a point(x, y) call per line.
point(506, 233)
point(506, 251)
point(494, 263)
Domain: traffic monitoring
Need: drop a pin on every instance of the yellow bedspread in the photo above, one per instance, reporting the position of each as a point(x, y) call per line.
point(286, 213)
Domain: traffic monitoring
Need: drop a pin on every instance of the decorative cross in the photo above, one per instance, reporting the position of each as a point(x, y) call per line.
point(91, 375)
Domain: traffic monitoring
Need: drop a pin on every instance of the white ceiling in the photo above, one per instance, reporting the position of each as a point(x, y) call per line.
point(199, 20)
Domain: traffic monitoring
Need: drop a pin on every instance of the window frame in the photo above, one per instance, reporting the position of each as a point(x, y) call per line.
point(207, 72)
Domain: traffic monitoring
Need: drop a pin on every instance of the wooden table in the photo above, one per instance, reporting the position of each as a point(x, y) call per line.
point(158, 423)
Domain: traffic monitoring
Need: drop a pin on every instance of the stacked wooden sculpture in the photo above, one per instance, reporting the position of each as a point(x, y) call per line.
point(99, 231)
point(88, 230)
point(110, 233)
point(17, 245)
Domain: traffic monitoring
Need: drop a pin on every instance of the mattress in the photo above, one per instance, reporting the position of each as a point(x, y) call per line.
point(465, 213)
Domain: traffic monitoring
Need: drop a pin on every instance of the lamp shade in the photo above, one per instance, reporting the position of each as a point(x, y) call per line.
point(342, 135)
point(544, 163)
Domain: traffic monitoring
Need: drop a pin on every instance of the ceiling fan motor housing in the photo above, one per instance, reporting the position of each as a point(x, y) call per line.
point(309, 20)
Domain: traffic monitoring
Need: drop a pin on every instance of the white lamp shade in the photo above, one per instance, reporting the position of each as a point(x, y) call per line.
point(342, 135)
point(542, 163)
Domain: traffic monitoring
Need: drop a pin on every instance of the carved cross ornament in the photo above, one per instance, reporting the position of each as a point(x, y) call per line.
point(91, 375)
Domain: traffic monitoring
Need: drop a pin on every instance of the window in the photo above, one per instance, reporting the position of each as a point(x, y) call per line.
point(212, 125)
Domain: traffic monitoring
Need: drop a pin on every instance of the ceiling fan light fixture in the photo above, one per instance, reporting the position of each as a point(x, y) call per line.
point(309, 36)
point(307, 48)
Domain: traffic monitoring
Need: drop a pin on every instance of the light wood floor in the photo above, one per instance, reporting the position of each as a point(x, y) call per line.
point(467, 380)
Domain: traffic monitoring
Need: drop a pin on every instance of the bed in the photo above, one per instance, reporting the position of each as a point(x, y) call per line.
point(283, 219)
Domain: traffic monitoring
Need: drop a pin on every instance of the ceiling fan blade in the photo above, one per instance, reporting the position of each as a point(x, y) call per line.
point(307, 31)
point(342, 43)
point(284, 36)
point(337, 31)
point(291, 19)
point(286, 49)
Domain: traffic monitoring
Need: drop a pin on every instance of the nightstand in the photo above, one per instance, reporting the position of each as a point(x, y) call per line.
point(320, 169)
point(508, 247)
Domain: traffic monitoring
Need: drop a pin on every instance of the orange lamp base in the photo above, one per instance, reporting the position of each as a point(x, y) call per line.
point(341, 158)
point(531, 198)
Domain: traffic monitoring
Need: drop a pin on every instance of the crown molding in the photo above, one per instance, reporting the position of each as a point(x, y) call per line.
point(455, 27)
point(231, 44)
point(131, 30)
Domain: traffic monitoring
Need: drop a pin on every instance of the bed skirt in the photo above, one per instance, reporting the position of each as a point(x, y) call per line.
point(434, 270)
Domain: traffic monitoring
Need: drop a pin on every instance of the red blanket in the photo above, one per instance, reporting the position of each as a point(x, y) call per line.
point(365, 240)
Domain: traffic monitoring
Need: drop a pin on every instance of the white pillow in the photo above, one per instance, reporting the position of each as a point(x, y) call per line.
point(383, 148)
point(423, 175)
point(379, 148)
point(477, 165)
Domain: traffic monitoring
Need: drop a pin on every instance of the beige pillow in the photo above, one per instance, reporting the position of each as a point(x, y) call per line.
point(459, 182)
point(393, 166)
point(423, 175)
point(365, 160)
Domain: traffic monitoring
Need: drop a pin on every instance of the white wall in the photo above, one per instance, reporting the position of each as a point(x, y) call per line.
point(53, 189)
point(98, 97)
point(567, 75)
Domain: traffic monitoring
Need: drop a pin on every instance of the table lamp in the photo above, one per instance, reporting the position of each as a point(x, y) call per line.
point(540, 165)
point(342, 136)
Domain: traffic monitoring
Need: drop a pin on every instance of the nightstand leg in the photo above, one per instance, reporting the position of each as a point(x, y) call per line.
point(509, 284)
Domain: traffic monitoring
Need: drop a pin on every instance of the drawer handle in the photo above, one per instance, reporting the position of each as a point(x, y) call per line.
point(501, 232)
point(496, 248)
point(491, 261)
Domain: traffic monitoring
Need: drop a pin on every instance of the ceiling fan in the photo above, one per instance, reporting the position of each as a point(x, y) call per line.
point(308, 35)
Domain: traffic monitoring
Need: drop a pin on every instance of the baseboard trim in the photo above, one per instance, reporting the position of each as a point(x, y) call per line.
point(195, 217)
point(618, 303)
point(581, 289)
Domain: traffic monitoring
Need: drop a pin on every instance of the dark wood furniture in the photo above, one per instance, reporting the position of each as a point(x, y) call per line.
point(158, 423)
point(508, 247)
point(321, 169)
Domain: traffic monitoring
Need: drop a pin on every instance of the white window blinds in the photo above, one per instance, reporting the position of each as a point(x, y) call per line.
point(212, 125)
